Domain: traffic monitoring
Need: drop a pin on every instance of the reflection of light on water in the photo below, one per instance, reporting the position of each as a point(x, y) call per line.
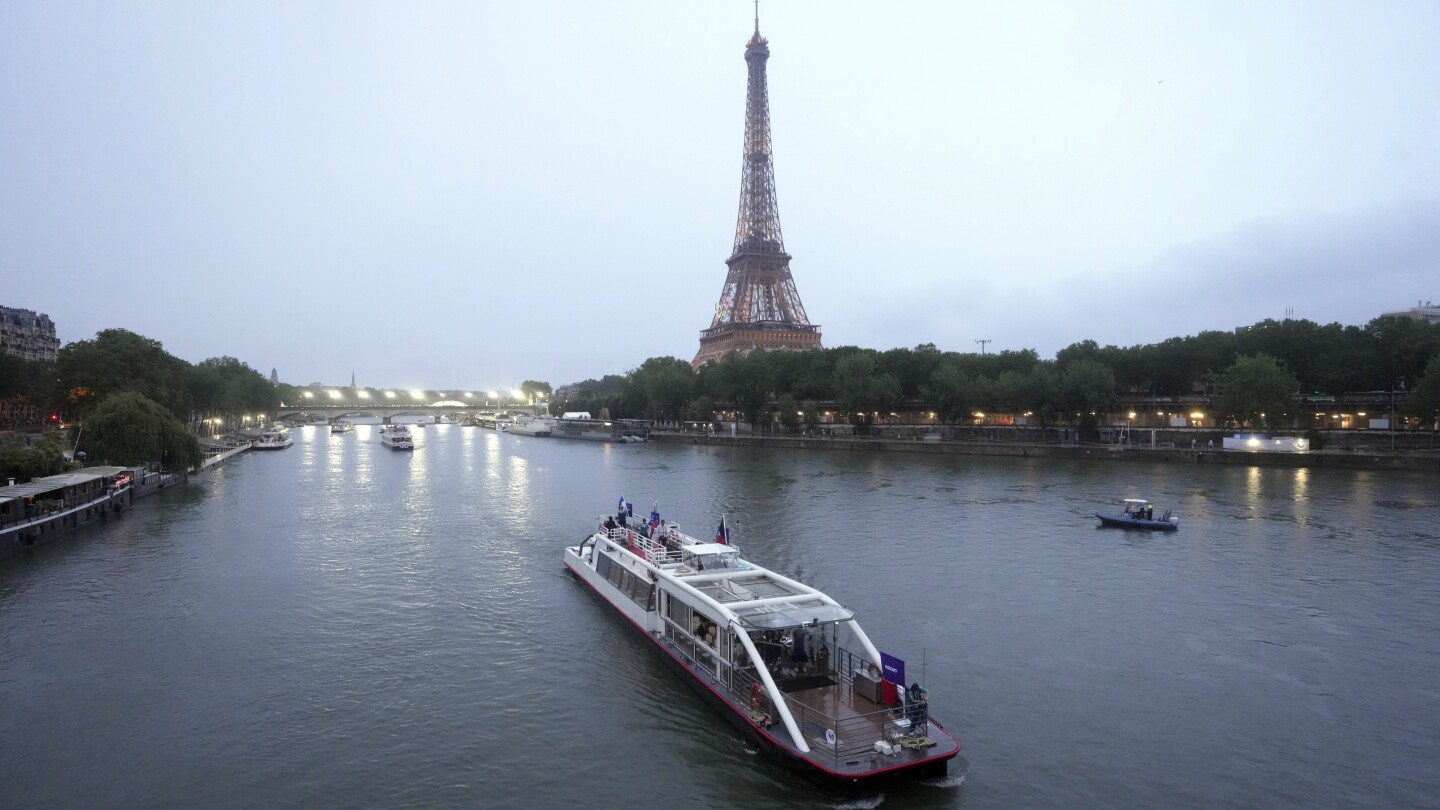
point(346, 445)
point(1301, 496)
point(492, 455)
point(417, 489)
point(1252, 486)
point(519, 479)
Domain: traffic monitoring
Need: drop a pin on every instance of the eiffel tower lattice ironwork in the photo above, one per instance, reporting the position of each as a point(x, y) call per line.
point(759, 306)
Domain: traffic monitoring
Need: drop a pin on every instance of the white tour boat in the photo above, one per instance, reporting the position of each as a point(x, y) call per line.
point(272, 440)
point(786, 664)
point(341, 426)
point(396, 437)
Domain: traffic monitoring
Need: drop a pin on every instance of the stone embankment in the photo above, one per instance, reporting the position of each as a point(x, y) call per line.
point(1418, 460)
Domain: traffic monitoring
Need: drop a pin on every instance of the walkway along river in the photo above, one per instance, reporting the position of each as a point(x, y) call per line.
point(337, 625)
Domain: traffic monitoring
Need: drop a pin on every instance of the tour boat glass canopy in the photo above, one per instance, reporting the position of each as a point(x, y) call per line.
point(786, 615)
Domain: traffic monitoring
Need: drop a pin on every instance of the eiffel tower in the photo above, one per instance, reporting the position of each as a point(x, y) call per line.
point(759, 307)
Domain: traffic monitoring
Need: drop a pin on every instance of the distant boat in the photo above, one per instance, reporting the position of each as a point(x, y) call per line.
point(396, 437)
point(1138, 514)
point(272, 440)
point(527, 425)
point(341, 426)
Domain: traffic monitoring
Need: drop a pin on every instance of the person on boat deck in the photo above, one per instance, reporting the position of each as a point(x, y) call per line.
point(1149, 512)
point(609, 523)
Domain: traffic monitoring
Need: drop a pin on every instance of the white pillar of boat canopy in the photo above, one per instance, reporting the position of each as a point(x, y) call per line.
point(736, 623)
point(732, 621)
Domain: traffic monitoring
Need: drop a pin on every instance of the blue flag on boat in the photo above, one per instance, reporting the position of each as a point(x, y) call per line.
point(655, 514)
point(621, 507)
point(722, 534)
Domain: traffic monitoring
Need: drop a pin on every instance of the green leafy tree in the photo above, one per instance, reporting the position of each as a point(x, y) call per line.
point(1257, 387)
point(1401, 348)
point(911, 368)
point(232, 387)
point(27, 391)
point(1424, 399)
point(811, 417)
point(700, 409)
point(119, 360)
point(1008, 394)
point(23, 462)
point(790, 414)
point(535, 390)
point(663, 385)
point(860, 389)
point(741, 379)
point(951, 392)
point(129, 429)
point(804, 375)
point(1087, 386)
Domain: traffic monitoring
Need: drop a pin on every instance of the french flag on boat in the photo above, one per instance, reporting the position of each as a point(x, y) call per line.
point(722, 534)
point(655, 514)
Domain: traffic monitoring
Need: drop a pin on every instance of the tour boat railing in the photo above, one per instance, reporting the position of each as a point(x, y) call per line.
point(852, 736)
point(651, 549)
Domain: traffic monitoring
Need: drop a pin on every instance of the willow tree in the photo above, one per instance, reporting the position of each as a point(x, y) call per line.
point(130, 429)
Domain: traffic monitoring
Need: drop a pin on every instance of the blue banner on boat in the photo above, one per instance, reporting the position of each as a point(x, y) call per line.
point(893, 668)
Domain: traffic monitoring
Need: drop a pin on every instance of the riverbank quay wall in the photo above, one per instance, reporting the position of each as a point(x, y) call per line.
point(1420, 461)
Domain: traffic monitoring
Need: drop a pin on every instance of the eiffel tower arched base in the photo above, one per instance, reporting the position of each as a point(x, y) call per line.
point(718, 342)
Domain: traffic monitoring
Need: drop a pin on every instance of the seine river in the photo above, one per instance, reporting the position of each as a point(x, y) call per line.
point(338, 625)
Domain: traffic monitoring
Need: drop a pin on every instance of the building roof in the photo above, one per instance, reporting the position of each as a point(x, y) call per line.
point(50, 483)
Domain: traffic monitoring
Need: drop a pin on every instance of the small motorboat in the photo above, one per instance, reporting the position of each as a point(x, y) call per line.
point(1139, 514)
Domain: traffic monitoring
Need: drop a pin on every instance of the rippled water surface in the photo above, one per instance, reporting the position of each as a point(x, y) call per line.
point(339, 625)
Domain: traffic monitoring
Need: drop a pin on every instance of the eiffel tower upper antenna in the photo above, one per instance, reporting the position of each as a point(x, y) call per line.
point(757, 18)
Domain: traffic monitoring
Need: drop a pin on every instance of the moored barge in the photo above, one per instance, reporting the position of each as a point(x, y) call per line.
point(46, 508)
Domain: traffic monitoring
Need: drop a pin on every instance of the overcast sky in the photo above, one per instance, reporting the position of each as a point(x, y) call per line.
point(468, 195)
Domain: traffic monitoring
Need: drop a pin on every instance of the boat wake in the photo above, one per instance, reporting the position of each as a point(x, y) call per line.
point(953, 780)
point(959, 769)
point(868, 803)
